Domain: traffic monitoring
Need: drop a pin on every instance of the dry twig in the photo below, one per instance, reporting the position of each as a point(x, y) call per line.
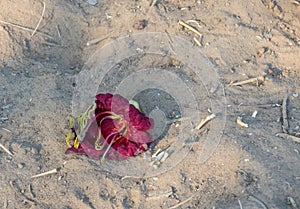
point(292, 202)
point(289, 137)
point(204, 121)
point(285, 122)
point(97, 40)
point(191, 28)
point(251, 80)
point(58, 31)
point(261, 203)
point(5, 129)
point(181, 203)
point(46, 173)
point(197, 41)
point(6, 150)
point(166, 155)
point(240, 204)
point(40, 20)
point(25, 28)
point(127, 177)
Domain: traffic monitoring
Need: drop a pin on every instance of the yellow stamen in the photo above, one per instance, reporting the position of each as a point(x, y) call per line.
point(76, 143)
point(98, 146)
point(69, 139)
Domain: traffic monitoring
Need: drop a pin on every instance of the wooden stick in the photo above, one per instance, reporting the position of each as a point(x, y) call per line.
point(6, 150)
point(240, 204)
point(261, 105)
point(5, 129)
point(251, 80)
point(41, 18)
point(97, 40)
point(155, 154)
point(197, 42)
point(25, 28)
point(204, 121)
point(285, 122)
point(180, 22)
point(289, 137)
point(45, 173)
point(292, 202)
point(58, 31)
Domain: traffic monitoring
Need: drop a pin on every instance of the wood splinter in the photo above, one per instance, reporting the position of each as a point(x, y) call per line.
point(289, 137)
point(256, 80)
point(40, 20)
point(285, 122)
point(181, 203)
point(204, 121)
point(191, 28)
point(6, 150)
point(46, 173)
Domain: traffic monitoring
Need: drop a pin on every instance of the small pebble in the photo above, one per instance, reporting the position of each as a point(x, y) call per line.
point(92, 2)
point(295, 95)
point(21, 165)
point(254, 114)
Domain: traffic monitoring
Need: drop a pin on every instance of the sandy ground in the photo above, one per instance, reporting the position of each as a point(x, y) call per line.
point(251, 168)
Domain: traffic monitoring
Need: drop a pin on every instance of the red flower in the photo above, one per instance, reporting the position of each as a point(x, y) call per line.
point(111, 128)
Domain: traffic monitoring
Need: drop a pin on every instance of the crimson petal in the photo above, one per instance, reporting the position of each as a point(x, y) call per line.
point(118, 130)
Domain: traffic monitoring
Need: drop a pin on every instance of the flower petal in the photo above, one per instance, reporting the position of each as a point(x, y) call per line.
point(117, 131)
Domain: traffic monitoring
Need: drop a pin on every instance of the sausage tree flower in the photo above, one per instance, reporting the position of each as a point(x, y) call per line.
point(111, 128)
